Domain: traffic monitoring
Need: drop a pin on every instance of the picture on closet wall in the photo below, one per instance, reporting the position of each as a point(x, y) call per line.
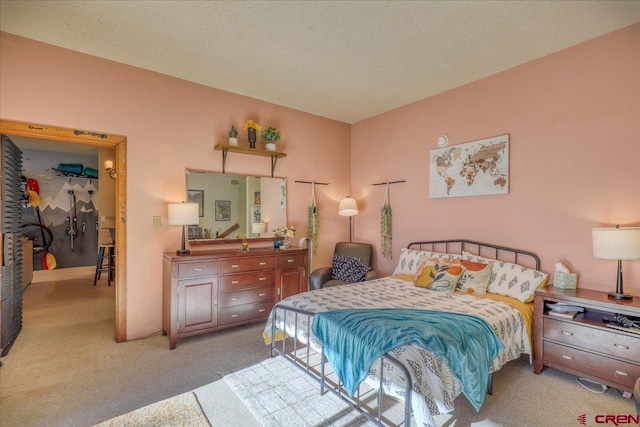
point(196, 196)
point(256, 214)
point(223, 210)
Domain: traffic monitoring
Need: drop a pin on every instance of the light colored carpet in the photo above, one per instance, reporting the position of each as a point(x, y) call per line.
point(182, 410)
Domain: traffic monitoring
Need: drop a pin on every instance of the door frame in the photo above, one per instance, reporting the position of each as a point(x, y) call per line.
point(98, 139)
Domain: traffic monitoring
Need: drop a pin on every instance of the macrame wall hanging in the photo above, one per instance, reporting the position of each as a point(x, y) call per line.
point(386, 227)
point(314, 220)
point(386, 222)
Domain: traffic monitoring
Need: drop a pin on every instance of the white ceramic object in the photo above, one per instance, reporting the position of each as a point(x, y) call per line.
point(233, 141)
point(271, 146)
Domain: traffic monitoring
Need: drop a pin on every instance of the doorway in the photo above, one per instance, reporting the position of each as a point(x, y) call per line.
point(117, 142)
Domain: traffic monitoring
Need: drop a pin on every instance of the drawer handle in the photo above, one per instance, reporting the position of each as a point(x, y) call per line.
point(233, 282)
point(199, 269)
point(622, 374)
point(567, 357)
point(569, 334)
point(235, 299)
point(235, 265)
point(234, 315)
point(622, 346)
point(262, 310)
point(262, 278)
point(262, 294)
point(290, 260)
point(263, 263)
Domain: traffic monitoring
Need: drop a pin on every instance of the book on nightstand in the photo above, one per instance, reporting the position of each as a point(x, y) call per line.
point(563, 314)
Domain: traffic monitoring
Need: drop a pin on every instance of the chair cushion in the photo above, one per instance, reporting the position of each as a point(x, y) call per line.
point(349, 269)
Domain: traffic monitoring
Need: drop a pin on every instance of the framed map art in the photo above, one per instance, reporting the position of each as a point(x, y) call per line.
point(472, 169)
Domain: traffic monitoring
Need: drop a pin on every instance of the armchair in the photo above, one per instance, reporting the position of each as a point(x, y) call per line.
point(321, 277)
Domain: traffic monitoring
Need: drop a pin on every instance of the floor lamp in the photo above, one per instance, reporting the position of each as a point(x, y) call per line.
point(617, 243)
point(348, 207)
point(184, 214)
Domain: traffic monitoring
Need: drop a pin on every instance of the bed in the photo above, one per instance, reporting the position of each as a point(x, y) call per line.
point(410, 369)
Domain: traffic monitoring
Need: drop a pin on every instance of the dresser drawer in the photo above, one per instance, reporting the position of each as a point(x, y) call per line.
point(247, 296)
point(197, 269)
point(597, 340)
point(594, 365)
point(292, 260)
point(239, 281)
point(248, 264)
point(245, 312)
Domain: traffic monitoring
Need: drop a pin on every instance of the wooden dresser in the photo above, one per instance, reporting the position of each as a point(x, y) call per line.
point(207, 291)
point(585, 346)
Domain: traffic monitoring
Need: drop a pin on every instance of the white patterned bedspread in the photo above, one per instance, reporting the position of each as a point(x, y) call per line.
point(434, 387)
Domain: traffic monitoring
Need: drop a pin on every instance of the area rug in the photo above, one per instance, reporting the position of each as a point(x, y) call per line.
point(295, 401)
point(181, 410)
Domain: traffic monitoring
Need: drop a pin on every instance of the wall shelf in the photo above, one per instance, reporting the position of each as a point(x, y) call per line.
point(226, 148)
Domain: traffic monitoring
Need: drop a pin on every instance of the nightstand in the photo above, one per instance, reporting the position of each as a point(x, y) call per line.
point(585, 346)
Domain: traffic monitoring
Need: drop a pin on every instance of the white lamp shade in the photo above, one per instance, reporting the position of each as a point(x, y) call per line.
point(258, 227)
point(108, 164)
point(184, 214)
point(348, 207)
point(616, 243)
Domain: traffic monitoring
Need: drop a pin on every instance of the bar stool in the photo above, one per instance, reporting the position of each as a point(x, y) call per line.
point(106, 251)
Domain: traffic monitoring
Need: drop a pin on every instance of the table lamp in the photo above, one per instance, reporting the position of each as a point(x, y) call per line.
point(617, 243)
point(348, 207)
point(184, 214)
point(258, 228)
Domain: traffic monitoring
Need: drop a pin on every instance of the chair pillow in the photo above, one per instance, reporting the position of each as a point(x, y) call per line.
point(348, 269)
point(438, 275)
point(511, 280)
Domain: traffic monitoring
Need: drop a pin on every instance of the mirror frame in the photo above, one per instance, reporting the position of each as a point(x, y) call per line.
point(206, 242)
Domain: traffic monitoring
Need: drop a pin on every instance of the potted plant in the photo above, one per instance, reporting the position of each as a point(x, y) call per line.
point(252, 127)
point(233, 136)
point(271, 136)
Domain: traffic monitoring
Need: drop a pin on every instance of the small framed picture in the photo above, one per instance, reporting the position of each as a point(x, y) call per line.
point(256, 198)
point(223, 210)
point(195, 232)
point(257, 216)
point(196, 196)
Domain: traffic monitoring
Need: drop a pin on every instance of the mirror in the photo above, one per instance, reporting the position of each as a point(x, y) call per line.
point(233, 205)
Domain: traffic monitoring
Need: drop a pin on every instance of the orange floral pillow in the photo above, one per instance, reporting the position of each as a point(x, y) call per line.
point(438, 275)
point(475, 279)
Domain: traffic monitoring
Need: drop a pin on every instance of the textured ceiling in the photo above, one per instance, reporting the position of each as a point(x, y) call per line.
point(345, 60)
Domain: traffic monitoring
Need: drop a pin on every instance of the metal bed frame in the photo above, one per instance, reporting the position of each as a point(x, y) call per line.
point(300, 354)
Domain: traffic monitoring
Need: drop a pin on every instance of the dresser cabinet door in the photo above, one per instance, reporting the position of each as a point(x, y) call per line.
point(197, 304)
point(289, 282)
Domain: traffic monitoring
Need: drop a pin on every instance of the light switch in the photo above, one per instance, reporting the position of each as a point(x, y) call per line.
point(156, 221)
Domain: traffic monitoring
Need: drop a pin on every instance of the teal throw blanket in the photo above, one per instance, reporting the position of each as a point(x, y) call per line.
point(354, 338)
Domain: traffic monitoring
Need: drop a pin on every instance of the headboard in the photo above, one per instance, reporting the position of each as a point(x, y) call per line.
point(456, 246)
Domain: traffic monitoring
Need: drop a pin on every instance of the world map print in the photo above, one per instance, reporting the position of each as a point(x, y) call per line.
point(471, 169)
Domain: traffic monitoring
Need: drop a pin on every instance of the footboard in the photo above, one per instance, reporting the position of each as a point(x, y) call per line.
point(298, 347)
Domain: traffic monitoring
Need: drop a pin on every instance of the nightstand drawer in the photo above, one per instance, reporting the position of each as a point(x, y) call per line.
point(197, 269)
point(249, 264)
point(248, 296)
point(294, 260)
point(239, 281)
point(245, 312)
point(594, 339)
point(594, 365)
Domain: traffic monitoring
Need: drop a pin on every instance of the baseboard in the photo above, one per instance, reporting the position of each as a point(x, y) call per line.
point(63, 274)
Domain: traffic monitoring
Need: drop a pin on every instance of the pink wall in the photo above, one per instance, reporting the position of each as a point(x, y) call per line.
point(170, 125)
point(574, 124)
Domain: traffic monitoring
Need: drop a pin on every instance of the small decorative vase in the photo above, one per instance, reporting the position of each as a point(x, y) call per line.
point(233, 141)
point(271, 146)
point(252, 137)
point(287, 243)
point(277, 244)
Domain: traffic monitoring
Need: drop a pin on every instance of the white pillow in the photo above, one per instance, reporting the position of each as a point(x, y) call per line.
point(410, 258)
point(511, 280)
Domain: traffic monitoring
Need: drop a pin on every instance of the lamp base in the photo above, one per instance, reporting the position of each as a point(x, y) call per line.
point(620, 296)
point(183, 252)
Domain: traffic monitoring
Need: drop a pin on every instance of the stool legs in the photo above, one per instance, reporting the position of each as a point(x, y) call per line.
point(110, 268)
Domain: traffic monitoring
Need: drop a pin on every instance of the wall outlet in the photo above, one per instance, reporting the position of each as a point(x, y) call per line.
point(156, 221)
